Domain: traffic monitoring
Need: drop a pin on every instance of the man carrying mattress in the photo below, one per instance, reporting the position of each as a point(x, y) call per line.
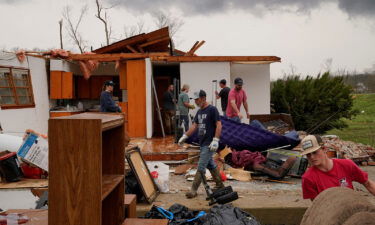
point(207, 122)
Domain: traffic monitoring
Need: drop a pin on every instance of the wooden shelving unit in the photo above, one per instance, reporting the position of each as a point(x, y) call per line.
point(86, 169)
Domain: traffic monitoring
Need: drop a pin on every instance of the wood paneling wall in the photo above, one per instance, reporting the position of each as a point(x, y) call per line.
point(136, 84)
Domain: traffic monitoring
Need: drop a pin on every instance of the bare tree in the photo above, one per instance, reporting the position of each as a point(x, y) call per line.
point(73, 27)
point(327, 65)
point(163, 19)
point(61, 40)
point(136, 29)
point(107, 27)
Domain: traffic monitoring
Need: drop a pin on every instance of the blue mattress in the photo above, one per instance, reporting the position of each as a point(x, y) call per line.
point(242, 136)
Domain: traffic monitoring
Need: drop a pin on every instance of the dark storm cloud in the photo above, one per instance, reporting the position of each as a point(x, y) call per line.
point(203, 7)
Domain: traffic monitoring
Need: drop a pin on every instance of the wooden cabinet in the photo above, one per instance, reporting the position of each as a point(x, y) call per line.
point(61, 85)
point(96, 85)
point(83, 88)
point(86, 169)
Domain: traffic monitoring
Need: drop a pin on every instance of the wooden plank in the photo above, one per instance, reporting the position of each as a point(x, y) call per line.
point(115, 57)
point(131, 49)
point(191, 52)
point(109, 183)
point(74, 172)
point(122, 74)
point(136, 221)
point(55, 85)
point(67, 87)
point(216, 58)
point(195, 44)
point(154, 42)
point(136, 82)
point(25, 183)
point(83, 88)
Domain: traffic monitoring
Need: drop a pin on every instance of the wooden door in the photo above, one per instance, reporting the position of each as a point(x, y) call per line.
point(136, 84)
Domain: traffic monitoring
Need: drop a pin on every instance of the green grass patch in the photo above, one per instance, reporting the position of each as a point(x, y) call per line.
point(361, 128)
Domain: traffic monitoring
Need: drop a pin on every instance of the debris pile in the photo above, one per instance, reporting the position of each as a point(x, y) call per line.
point(347, 149)
point(277, 126)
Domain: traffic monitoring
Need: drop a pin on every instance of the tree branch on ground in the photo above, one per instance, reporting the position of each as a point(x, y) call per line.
point(73, 27)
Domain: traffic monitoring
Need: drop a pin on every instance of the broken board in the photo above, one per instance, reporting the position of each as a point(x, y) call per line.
point(25, 183)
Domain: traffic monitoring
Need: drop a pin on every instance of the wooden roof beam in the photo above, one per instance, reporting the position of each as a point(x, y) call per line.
point(194, 49)
point(217, 58)
point(115, 57)
point(154, 42)
point(131, 49)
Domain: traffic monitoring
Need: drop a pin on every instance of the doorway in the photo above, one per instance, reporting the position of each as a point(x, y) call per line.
point(164, 75)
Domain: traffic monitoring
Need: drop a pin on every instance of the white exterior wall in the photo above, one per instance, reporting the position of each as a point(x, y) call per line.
point(256, 78)
point(16, 121)
point(199, 75)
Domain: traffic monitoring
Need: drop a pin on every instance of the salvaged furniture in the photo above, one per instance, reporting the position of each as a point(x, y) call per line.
point(86, 169)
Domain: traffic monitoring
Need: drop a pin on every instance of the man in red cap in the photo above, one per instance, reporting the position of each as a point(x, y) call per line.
point(325, 173)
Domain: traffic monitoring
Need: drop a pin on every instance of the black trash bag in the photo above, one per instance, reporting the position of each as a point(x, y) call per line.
point(180, 215)
point(227, 214)
point(132, 186)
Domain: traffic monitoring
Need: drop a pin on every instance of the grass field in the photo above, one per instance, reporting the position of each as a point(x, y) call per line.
point(361, 128)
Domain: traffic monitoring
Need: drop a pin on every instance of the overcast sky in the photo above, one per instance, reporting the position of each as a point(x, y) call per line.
point(304, 33)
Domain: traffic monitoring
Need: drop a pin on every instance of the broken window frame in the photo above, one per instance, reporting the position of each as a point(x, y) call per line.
point(12, 86)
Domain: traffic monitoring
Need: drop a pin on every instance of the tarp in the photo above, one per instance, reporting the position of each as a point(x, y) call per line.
point(242, 136)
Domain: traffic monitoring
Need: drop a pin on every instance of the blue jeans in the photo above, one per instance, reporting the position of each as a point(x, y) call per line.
point(205, 159)
point(185, 119)
point(236, 119)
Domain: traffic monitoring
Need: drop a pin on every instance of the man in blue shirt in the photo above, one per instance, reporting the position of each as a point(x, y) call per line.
point(207, 122)
point(106, 102)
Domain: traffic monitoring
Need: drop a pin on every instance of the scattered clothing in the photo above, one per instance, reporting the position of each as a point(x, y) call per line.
point(246, 159)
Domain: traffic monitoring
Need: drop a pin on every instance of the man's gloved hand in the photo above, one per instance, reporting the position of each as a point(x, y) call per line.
point(214, 144)
point(182, 139)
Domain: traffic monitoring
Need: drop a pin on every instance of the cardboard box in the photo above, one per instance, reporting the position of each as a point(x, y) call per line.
point(34, 150)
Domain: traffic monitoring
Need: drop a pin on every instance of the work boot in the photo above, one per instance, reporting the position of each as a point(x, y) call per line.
point(215, 173)
point(197, 181)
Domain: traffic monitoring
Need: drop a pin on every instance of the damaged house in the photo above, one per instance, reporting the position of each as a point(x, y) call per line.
point(61, 86)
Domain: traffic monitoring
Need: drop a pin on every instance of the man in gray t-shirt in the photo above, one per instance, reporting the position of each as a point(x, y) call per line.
point(184, 106)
